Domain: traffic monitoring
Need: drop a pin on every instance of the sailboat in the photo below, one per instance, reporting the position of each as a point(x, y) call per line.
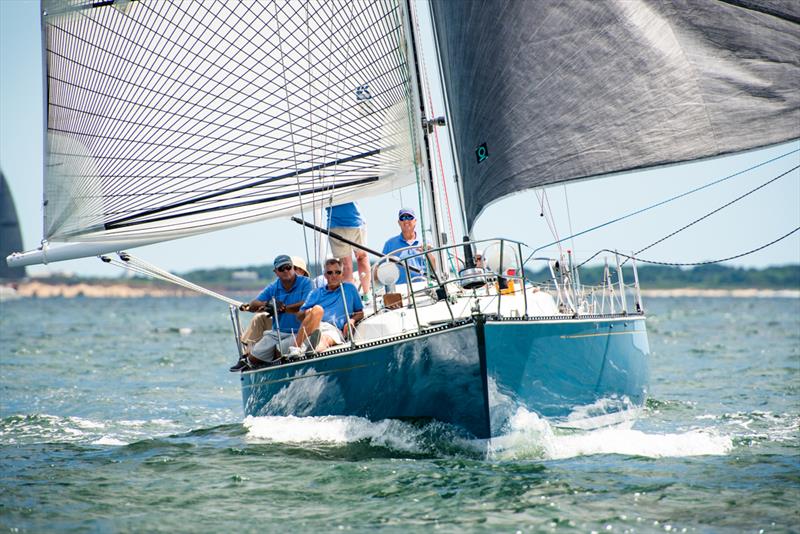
point(167, 119)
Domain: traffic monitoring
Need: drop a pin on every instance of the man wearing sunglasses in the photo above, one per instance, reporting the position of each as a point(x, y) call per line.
point(288, 292)
point(329, 313)
point(407, 220)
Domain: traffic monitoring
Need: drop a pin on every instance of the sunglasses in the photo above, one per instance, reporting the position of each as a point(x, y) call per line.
point(284, 268)
point(406, 217)
point(478, 257)
point(332, 272)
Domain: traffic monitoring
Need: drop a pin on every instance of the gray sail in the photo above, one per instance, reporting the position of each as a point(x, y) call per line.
point(10, 235)
point(547, 92)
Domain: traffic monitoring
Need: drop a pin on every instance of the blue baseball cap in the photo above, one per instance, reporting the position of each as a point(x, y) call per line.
point(406, 211)
point(281, 260)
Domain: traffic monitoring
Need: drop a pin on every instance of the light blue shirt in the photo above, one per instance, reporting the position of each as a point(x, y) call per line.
point(299, 292)
point(344, 216)
point(419, 262)
point(333, 304)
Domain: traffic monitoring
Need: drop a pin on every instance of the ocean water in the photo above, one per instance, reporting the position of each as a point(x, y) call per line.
point(121, 415)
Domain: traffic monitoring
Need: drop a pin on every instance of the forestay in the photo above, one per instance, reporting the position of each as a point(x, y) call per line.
point(172, 118)
point(547, 92)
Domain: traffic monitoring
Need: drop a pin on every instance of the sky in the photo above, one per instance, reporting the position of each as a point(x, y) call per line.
point(750, 223)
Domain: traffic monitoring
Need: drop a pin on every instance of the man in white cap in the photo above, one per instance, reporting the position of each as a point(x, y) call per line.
point(407, 220)
point(288, 292)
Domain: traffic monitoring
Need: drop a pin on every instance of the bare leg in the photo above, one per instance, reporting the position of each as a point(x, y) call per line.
point(347, 268)
point(310, 323)
point(363, 271)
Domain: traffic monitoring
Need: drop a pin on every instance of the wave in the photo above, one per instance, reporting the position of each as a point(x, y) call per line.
point(44, 428)
point(532, 437)
point(529, 437)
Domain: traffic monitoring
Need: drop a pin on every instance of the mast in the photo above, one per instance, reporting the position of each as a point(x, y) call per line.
point(417, 103)
point(457, 176)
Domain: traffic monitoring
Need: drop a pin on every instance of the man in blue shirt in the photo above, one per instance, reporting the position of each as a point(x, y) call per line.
point(346, 220)
point(407, 220)
point(329, 312)
point(288, 292)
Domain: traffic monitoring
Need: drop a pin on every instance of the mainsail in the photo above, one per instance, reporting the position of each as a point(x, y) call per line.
point(172, 118)
point(547, 92)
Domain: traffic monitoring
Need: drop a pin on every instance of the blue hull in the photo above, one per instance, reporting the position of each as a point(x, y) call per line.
point(473, 375)
point(580, 372)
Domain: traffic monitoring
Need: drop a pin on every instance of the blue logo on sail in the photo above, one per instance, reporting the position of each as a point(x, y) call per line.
point(481, 153)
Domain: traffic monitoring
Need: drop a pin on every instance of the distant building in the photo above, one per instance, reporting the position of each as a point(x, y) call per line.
point(247, 276)
point(10, 235)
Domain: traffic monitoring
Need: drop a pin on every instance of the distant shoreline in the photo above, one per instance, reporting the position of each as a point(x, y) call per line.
point(38, 289)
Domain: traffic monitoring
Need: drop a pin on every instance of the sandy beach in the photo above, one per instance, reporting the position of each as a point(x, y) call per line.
point(39, 289)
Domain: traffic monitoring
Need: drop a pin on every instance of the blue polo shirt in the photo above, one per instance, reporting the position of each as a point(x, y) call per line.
point(397, 242)
point(344, 216)
point(297, 293)
point(333, 304)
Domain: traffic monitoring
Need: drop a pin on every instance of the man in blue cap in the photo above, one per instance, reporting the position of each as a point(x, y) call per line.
point(282, 299)
point(407, 220)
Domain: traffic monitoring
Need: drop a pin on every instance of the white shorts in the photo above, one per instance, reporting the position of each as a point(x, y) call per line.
point(326, 329)
point(340, 249)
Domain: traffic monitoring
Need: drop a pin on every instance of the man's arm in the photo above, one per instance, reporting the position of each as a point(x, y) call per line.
point(254, 306)
point(431, 258)
point(292, 308)
point(353, 321)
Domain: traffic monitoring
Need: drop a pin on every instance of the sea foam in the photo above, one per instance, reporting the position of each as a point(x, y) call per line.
point(533, 437)
point(529, 437)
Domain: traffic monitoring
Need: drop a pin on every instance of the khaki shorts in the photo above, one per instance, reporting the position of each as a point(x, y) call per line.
point(342, 250)
point(325, 329)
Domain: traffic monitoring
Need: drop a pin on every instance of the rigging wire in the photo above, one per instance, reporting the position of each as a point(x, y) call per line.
point(708, 262)
point(424, 75)
point(137, 265)
point(740, 197)
point(661, 203)
point(569, 219)
point(547, 213)
point(413, 139)
point(713, 212)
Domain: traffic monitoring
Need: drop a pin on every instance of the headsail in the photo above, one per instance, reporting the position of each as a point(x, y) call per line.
point(172, 118)
point(548, 92)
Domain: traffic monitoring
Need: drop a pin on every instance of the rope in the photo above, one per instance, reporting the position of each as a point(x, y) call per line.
point(569, 218)
point(737, 199)
point(410, 114)
point(142, 267)
point(661, 203)
point(709, 262)
point(424, 76)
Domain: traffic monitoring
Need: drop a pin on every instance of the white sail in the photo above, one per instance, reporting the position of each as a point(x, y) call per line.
point(174, 118)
